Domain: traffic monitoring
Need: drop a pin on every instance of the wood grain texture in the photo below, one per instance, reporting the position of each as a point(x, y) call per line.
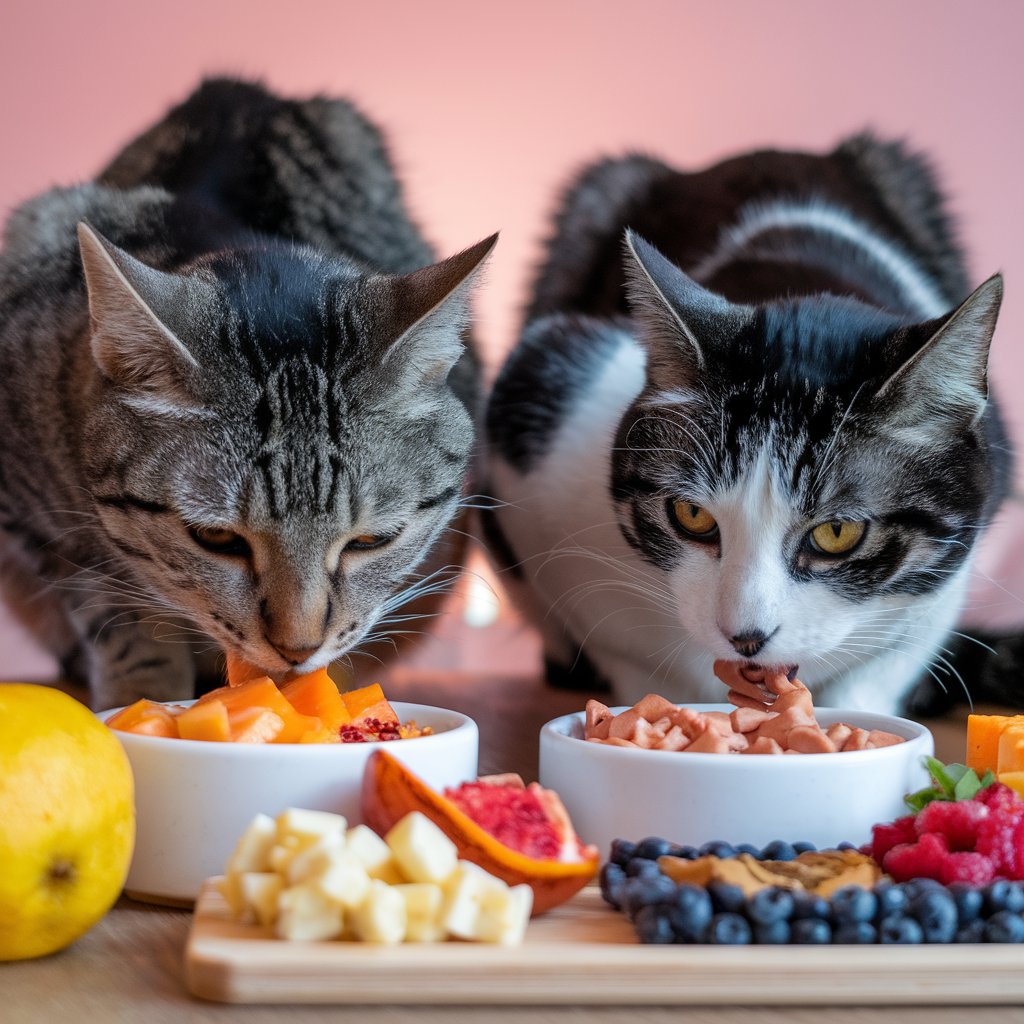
point(583, 953)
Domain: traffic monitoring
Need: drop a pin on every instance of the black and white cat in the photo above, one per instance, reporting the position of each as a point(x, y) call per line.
point(237, 405)
point(748, 418)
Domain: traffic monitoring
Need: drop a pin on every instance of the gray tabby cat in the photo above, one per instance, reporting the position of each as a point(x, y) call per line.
point(761, 432)
point(249, 419)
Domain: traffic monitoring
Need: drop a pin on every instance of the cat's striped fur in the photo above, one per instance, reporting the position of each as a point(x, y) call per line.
point(818, 362)
point(250, 419)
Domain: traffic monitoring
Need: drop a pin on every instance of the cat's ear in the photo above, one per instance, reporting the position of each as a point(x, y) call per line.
point(430, 310)
point(681, 323)
point(131, 344)
point(946, 377)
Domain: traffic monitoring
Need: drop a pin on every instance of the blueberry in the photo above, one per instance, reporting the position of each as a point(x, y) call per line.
point(852, 904)
point(779, 850)
point(612, 879)
point(811, 931)
point(622, 851)
point(750, 849)
point(892, 899)
point(974, 931)
point(808, 906)
point(717, 848)
point(916, 886)
point(899, 929)
point(1004, 926)
point(689, 912)
point(640, 868)
point(775, 934)
point(771, 904)
point(729, 930)
point(847, 845)
point(640, 892)
point(653, 847)
point(804, 847)
point(652, 924)
point(855, 933)
point(685, 852)
point(935, 911)
point(726, 898)
point(1003, 895)
point(968, 900)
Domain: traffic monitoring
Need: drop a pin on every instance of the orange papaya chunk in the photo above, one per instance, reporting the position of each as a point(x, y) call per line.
point(983, 740)
point(147, 718)
point(1015, 780)
point(380, 711)
point(256, 725)
point(264, 694)
point(206, 721)
point(1011, 748)
point(316, 695)
point(240, 671)
point(357, 701)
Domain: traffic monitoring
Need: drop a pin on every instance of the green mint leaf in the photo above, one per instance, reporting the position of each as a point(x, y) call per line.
point(944, 781)
point(968, 785)
point(987, 779)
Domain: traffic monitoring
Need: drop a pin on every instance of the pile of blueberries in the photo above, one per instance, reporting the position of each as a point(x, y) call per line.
point(921, 910)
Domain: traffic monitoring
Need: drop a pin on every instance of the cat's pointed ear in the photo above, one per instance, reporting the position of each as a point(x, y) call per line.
point(430, 312)
point(946, 377)
point(681, 322)
point(131, 343)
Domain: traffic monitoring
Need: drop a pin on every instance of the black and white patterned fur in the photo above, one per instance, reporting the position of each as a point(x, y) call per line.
point(817, 359)
point(250, 417)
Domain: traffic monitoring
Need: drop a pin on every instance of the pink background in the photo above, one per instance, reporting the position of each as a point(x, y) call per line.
point(490, 107)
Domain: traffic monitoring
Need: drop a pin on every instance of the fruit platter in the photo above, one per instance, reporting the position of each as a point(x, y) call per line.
point(483, 893)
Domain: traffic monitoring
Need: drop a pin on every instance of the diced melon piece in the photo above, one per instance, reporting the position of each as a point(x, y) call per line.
point(1015, 780)
point(207, 721)
point(256, 725)
point(983, 740)
point(1011, 748)
point(146, 718)
point(316, 694)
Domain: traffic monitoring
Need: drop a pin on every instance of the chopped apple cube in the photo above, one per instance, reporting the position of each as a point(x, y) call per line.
point(423, 852)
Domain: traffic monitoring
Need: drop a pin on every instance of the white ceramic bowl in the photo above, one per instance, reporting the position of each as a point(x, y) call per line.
point(619, 792)
point(193, 799)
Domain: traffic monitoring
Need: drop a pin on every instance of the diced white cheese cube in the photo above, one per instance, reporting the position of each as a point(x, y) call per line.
point(305, 914)
point(423, 852)
point(380, 917)
point(252, 850)
point(423, 903)
point(260, 891)
point(344, 879)
point(309, 825)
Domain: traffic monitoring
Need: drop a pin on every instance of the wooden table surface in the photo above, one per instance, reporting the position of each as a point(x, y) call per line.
point(129, 967)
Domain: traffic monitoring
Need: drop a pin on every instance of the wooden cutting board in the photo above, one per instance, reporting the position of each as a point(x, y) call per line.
point(584, 953)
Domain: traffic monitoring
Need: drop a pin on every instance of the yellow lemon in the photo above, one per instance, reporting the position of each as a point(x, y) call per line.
point(67, 820)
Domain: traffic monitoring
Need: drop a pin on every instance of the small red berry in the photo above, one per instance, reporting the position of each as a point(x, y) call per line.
point(972, 868)
point(957, 821)
point(924, 859)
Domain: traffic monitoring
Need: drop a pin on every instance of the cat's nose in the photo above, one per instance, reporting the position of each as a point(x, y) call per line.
point(296, 655)
point(748, 644)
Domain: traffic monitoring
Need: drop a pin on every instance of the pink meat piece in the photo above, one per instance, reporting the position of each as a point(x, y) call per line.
point(747, 719)
point(674, 739)
point(809, 739)
point(764, 745)
point(623, 725)
point(857, 740)
point(652, 707)
point(881, 738)
point(597, 720)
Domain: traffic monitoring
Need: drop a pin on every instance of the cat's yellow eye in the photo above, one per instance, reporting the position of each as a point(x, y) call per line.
point(220, 540)
point(838, 536)
point(696, 521)
point(366, 542)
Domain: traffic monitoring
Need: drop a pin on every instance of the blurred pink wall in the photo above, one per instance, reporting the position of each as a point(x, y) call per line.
point(489, 107)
